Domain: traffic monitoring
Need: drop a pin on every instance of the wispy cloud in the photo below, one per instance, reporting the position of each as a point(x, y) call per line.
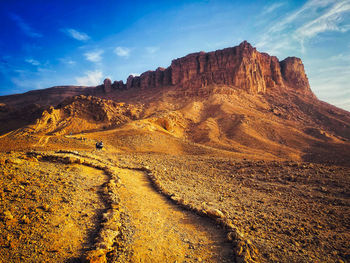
point(341, 57)
point(45, 70)
point(330, 81)
point(91, 78)
point(67, 61)
point(25, 83)
point(152, 50)
point(73, 33)
point(32, 61)
point(330, 20)
point(26, 79)
point(122, 51)
point(305, 23)
point(301, 29)
point(271, 8)
point(24, 26)
point(94, 56)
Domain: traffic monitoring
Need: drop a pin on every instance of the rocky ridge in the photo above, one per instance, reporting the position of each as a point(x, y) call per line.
point(241, 67)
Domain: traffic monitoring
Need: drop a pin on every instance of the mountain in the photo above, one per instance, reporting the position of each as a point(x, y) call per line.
point(236, 100)
point(241, 67)
point(234, 135)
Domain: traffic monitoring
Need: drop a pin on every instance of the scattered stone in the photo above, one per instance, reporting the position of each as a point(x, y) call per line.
point(25, 219)
point(8, 215)
point(96, 256)
point(214, 213)
point(46, 208)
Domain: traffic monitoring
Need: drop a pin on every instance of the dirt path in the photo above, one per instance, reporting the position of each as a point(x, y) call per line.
point(160, 231)
point(62, 217)
point(164, 232)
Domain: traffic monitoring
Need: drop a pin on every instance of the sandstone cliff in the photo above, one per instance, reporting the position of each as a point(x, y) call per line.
point(241, 67)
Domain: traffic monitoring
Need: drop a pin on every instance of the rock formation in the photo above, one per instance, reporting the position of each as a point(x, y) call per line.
point(294, 75)
point(107, 85)
point(241, 67)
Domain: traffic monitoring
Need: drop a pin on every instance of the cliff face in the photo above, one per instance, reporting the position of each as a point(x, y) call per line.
point(149, 79)
point(294, 75)
point(242, 67)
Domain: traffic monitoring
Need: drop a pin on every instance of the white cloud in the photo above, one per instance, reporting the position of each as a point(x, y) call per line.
point(91, 78)
point(32, 61)
point(295, 32)
point(341, 57)
point(307, 10)
point(305, 23)
point(273, 7)
point(152, 50)
point(134, 74)
point(328, 21)
point(28, 82)
point(25, 26)
point(94, 56)
point(46, 70)
point(122, 51)
point(67, 61)
point(81, 36)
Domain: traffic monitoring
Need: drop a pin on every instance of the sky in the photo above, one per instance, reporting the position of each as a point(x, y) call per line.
point(51, 43)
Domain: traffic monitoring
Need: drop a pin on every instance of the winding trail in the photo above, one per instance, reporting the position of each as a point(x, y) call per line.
point(155, 229)
point(164, 232)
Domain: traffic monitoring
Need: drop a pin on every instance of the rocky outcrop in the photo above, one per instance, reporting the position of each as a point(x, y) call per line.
point(118, 85)
point(83, 113)
point(149, 79)
point(294, 75)
point(107, 85)
point(241, 67)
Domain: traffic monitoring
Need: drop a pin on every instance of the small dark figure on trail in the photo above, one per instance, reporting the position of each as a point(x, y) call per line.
point(99, 145)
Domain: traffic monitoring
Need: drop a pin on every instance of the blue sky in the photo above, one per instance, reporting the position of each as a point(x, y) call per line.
point(81, 42)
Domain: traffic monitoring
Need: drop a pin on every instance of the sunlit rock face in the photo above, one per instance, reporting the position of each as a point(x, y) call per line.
point(241, 68)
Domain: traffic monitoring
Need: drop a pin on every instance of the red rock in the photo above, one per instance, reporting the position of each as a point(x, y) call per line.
point(241, 67)
point(117, 85)
point(107, 85)
point(294, 75)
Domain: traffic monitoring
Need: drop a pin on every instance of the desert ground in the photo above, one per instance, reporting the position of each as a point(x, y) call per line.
point(225, 156)
point(76, 203)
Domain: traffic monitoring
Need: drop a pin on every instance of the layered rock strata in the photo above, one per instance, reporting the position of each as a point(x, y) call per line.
point(242, 67)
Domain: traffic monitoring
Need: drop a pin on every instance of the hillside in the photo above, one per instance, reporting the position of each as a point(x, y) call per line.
point(236, 99)
point(234, 135)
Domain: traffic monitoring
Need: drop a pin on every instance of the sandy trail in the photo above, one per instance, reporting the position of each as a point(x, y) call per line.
point(156, 230)
point(164, 232)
